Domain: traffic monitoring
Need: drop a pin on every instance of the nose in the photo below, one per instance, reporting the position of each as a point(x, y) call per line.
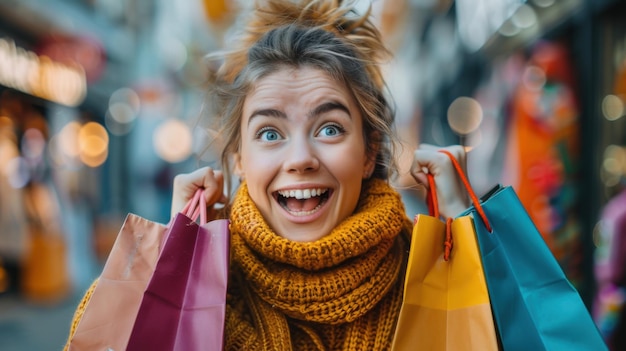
point(301, 157)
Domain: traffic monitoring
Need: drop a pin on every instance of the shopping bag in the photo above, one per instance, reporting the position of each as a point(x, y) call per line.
point(108, 318)
point(534, 304)
point(446, 303)
point(184, 305)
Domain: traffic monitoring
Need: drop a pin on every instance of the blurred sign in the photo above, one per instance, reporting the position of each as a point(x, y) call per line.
point(41, 76)
point(81, 50)
point(215, 9)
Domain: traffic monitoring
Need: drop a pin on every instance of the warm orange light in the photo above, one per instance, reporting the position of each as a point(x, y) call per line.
point(93, 142)
point(172, 141)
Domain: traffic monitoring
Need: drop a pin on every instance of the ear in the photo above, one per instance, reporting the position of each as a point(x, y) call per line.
point(237, 166)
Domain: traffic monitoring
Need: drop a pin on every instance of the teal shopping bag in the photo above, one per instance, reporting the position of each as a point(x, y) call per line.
point(535, 306)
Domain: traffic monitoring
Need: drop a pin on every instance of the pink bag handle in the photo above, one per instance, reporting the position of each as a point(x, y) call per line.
point(196, 206)
point(470, 191)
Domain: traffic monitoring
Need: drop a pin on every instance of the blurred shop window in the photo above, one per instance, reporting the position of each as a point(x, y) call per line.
point(13, 226)
point(33, 247)
point(40, 76)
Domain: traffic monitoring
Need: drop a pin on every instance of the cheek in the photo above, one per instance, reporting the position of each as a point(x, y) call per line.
point(349, 162)
point(258, 170)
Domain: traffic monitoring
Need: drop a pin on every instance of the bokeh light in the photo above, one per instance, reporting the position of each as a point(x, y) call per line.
point(612, 107)
point(174, 52)
point(524, 17)
point(127, 96)
point(77, 144)
point(17, 172)
point(33, 143)
point(124, 107)
point(93, 142)
point(68, 140)
point(465, 115)
point(613, 165)
point(544, 3)
point(509, 29)
point(534, 78)
point(172, 141)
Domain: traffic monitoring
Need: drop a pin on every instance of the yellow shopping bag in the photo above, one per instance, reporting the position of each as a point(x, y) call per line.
point(446, 303)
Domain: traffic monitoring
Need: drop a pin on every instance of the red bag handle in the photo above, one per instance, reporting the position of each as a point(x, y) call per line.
point(431, 197)
point(469, 189)
point(433, 210)
point(196, 206)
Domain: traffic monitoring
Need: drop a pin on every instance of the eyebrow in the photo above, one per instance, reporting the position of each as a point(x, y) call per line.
point(321, 109)
point(268, 112)
point(327, 107)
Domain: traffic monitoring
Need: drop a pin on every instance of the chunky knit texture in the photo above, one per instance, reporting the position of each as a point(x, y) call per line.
point(342, 292)
point(78, 314)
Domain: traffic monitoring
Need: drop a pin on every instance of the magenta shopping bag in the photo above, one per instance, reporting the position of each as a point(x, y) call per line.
point(184, 305)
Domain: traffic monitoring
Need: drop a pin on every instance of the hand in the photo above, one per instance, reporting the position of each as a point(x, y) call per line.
point(186, 184)
point(451, 194)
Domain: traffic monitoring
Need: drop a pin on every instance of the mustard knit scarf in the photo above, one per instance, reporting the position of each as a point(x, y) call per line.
point(342, 292)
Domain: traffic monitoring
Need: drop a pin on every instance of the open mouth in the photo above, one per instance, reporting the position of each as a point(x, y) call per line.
point(302, 202)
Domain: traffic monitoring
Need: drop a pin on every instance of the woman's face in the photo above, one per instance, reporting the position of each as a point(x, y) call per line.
point(302, 152)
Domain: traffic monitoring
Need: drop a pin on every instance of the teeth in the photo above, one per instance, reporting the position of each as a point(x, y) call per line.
point(302, 193)
point(304, 213)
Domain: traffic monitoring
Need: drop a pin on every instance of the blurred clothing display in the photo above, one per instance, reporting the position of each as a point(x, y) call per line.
point(543, 151)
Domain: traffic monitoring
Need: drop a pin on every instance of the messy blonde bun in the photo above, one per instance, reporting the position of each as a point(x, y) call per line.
point(328, 35)
point(335, 16)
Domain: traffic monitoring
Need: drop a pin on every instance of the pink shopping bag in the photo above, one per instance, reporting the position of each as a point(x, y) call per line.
point(184, 305)
point(110, 312)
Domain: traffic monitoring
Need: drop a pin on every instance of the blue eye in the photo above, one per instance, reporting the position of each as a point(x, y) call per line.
point(267, 134)
point(331, 130)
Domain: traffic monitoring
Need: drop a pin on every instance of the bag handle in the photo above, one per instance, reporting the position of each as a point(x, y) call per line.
point(431, 197)
point(433, 210)
point(196, 207)
point(470, 191)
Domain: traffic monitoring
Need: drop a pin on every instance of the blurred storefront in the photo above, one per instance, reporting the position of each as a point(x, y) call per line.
point(38, 90)
point(98, 107)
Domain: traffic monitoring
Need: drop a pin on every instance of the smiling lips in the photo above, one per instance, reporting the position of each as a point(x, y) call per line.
point(302, 202)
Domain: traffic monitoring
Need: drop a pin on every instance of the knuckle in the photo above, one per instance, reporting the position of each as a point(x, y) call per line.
point(179, 179)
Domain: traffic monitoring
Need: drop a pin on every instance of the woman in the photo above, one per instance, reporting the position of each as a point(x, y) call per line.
point(319, 237)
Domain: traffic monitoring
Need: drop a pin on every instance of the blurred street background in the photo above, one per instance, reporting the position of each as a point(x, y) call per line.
point(101, 104)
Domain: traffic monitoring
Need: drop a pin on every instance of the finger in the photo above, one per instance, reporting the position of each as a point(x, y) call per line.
point(420, 178)
point(428, 160)
point(214, 188)
point(426, 146)
point(185, 186)
point(460, 154)
point(450, 191)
